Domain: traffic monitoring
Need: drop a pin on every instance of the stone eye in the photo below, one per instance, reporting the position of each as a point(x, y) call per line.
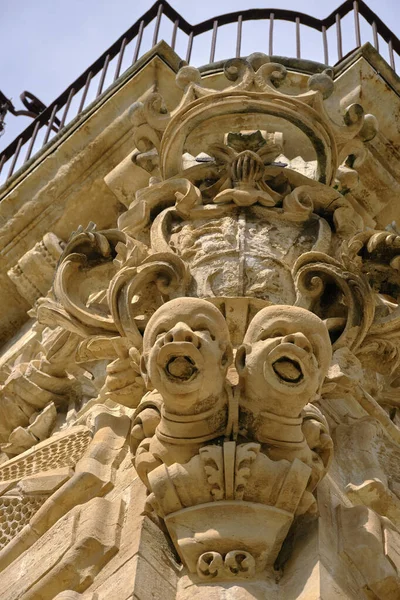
point(266, 335)
point(201, 329)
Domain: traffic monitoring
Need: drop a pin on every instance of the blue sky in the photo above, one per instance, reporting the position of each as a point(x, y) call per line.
point(46, 44)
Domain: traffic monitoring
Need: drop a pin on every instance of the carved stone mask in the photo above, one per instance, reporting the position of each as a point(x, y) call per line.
point(186, 353)
point(284, 359)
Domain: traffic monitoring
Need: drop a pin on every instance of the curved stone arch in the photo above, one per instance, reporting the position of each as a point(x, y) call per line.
point(249, 106)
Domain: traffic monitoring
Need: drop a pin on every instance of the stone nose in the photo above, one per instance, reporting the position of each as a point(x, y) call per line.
point(181, 332)
point(298, 339)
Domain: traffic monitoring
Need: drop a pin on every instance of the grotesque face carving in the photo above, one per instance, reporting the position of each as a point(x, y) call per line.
point(283, 360)
point(186, 354)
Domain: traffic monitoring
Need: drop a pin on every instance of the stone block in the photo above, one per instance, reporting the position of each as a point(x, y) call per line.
point(67, 556)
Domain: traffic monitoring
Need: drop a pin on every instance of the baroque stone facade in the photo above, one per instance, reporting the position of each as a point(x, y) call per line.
point(204, 403)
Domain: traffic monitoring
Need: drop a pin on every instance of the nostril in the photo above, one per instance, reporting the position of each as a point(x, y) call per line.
point(169, 338)
point(303, 342)
point(188, 338)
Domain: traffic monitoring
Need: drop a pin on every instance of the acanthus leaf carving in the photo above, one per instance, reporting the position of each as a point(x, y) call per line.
point(133, 292)
point(86, 250)
point(318, 278)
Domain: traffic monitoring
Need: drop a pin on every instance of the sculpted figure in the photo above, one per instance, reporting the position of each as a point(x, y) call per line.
point(282, 365)
point(186, 354)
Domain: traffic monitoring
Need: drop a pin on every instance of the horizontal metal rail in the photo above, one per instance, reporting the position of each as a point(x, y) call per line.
point(41, 130)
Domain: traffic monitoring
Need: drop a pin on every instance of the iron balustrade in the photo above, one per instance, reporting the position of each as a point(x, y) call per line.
point(42, 128)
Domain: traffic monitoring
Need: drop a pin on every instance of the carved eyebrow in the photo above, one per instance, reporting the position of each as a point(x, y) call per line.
point(271, 328)
point(204, 322)
point(160, 331)
point(265, 334)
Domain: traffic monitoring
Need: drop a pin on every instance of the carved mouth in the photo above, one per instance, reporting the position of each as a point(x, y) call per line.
point(288, 370)
point(181, 365)
point(181, 368)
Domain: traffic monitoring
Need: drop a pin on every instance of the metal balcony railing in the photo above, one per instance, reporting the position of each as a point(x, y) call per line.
point(145, 34)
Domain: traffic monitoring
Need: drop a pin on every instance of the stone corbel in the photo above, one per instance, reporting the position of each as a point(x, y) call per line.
point(208, 453)
point(372, 545)
point(33, 392)
point(71, 556)
point(34, 272)
point(247, 488)
point(94, 476)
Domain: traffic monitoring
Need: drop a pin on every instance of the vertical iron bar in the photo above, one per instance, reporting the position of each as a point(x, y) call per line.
point(297, 37)
point(50, 125)
point(271, 34)
point(2, 161)
point(120, 59)
point(239, 36)
point(70, 96)
point(85, 91)
point(391, 55)
point(214, 41)
point(32, 142)
point(17, 151)
point(339, 37)
point(189, 48)
point(157, 25)
point(174, 32)
point(375, 33)
point(357, 23)
point(325, 42)
point(103, 75)
point(138, 42)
